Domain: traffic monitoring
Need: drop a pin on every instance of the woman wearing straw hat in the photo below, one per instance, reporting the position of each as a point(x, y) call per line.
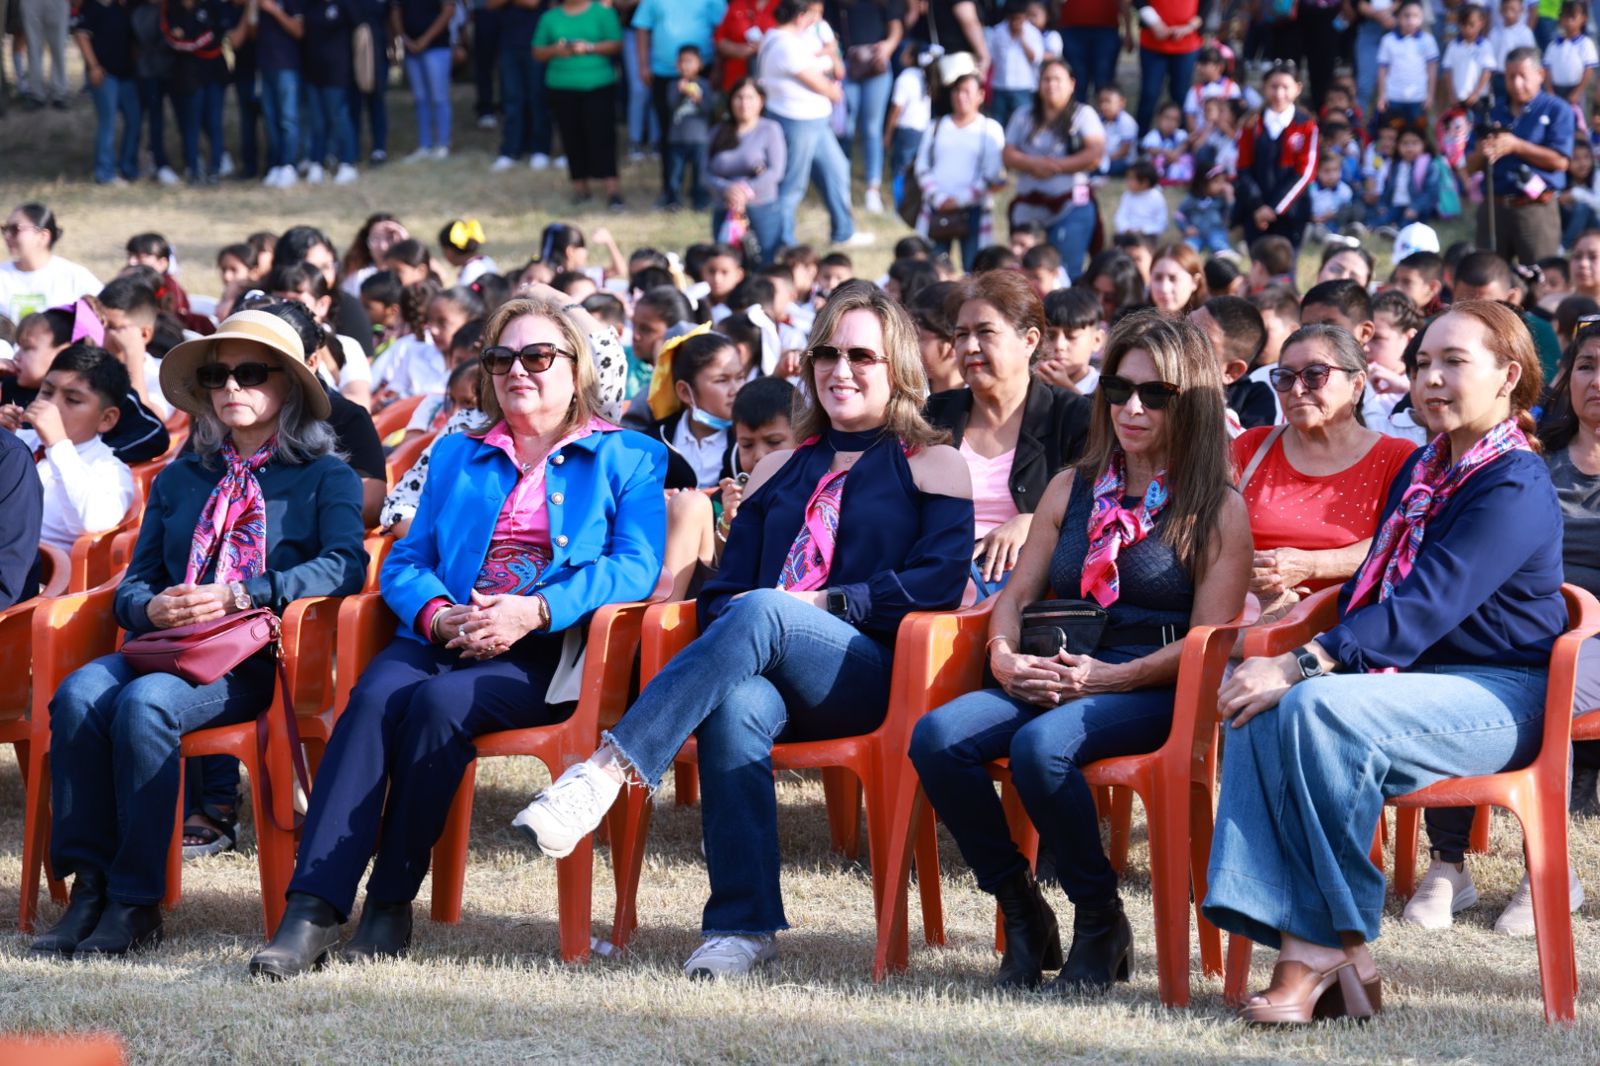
point(261, 512)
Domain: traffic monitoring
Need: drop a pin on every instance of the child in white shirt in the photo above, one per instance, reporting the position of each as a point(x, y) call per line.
point(1015, 49)
point(910, 111)
point(1210, 82)
point(1143, 208)
point(1571, 57)
point(1122, 132)
point(1513, 32)
point(1408, 65)
point(1470, 58)
point(1167, 146)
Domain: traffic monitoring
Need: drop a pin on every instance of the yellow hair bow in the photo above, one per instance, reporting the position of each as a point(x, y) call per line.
point(464, 231)
point(663, 397)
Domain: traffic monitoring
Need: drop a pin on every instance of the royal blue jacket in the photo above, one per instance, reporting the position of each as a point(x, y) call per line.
point(1485, 588)
point(608, 525)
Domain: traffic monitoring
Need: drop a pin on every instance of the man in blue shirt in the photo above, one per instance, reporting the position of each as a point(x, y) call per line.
point(21, 513)
point(1529, 148)
point(662, 27)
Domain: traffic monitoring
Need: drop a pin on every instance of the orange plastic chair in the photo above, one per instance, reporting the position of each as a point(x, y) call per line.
point(377, 546)
point(178, 422)
point(1176, 783)
point(55, 572)
point(122, 550)
point(866, 765)
point(393, 418)
point(91, 552)
point(51, 1049)
point(1535, 794)
point(406, 454)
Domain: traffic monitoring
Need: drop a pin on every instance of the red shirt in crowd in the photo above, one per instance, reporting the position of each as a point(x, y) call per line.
point(742, 16)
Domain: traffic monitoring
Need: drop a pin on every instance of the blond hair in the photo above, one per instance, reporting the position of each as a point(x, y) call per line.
point(585, 379)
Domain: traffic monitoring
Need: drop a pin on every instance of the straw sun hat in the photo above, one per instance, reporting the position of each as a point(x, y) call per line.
point(269, 331)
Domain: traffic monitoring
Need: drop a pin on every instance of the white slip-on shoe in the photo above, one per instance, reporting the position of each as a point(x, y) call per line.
point(538, 161)
point(346, 175)
point(859, 239)
point(730, 956)
point(502, 164)
point(315, 175)
point(873, 202)
point(567, 811)
point(1517, 918)
point(1441, 893)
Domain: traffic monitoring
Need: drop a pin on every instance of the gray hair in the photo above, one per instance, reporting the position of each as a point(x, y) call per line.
point(1344, 351)
point(1522, 55)
point(301, 438)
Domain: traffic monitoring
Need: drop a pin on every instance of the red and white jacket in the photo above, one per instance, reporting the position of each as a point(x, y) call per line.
point(1279, 174)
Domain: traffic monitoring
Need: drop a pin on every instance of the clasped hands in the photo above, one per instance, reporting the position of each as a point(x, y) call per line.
point(487, 626)
point(1050, 682)
point(188, 604)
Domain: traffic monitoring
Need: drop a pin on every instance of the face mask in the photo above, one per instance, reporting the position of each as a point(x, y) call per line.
point(709, 420)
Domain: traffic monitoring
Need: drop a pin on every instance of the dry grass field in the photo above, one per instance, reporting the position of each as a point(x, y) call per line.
point(490, 990)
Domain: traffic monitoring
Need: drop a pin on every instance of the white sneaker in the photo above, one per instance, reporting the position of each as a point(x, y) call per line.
point(730, 956)
point(539, 161)
point(1442, 892)
point(859, 239)
point(225, 168)
point(559, 162)
point(487, 122)
point(1517, 918)
point(167, 176)
point(874, 202)
point(379, 157)
point(442, 152)
point(502, 164)
point(315, 175)
point(568, 810)
point(347, 175)
point(270, 178)
point(419, 155)
point(288, 178)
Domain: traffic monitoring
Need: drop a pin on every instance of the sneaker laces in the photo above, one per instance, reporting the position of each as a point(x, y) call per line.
point(573, 796)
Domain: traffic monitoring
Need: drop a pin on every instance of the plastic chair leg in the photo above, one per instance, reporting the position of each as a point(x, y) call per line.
point(1482, 822)
point(1238, 970)
point(1121, 823)
point(1407, 827)
point(630, 826)
point(685, 784)
point(450, 851)
point(1379, 836)
point(928, 888)
point(1168, 816)
point(1200, 833)
point(907, 812)
point(842, 791)
point(575, 899)
point(36, 841)
point(1545, 829)
point(174, 892)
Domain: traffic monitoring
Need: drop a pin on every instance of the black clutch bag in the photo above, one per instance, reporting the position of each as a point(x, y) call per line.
point(1050, 627)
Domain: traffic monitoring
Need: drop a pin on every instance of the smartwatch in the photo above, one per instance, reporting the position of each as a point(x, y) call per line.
point(838, 604)
point(1310, 665)
point(241, 598)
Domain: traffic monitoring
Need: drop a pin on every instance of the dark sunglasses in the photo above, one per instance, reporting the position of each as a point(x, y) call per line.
point(1314, 376)
point(536, 358)
point(1584, 324)
point(11, 229)
point(1153, 394)
point(215, 376)
point(826, 357)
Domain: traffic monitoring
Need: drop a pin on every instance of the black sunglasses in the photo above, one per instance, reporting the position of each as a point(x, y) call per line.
point(1584, 324)
point(536, 358)
point(1314, 376)
point(826, 357)
point(1152, 394)
point(215, 376)
point(11, 229)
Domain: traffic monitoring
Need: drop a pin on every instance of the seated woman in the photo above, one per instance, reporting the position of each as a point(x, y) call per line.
point(1436, 669)
point(835, 542)
point(260, 512)
point(1314, 486)
point(1014, 432)
point(1151, 530)
point(526, 526)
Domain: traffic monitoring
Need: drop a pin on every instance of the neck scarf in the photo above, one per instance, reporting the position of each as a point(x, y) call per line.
point(1433, 482)
point(811, 554)
point(233, 524)
point(1112, 527)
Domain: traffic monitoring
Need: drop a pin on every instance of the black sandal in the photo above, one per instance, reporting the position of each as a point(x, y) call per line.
point(212, 839)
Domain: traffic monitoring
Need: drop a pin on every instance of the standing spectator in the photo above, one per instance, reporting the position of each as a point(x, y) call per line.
point(1054, 145)
point(1089, 42)
point(1377, 19)
point(1469, 58)
point(488, 22)
point(104, 31)
point(330, 25)
point(1317, 31)
point(525, 129)
point(1408, 66)
point(660, 29)
point(1534, 131)
point(1169, 46)
point(747, 161)
point(152, 65)
point(910, 112)
point(193, 30)
point(374, 105)
point(738, 37)
point(960, 164)
point(870, 32)
point(1016, 47)
point(957, 26)
point(240, 18)
point(278, 33)
point(578, 39)
point(423, 27)
point(690, 97)
point(1571, 56)
point(44, 23)
point(642, 132)
point(1277, 162)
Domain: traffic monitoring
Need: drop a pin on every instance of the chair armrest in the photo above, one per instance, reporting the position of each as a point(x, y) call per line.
point(377, 546)
point(1315, 614)
point(938, 656)
point(365, 627)
point(667, 629)
point(16, 657)
point(309, 634)
point(60, 566)
point(68, 632)
point(1200, 666)
point(608, 666)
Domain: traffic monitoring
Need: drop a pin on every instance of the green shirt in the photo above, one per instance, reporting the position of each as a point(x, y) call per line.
point(595, 24)
point(1545, 343)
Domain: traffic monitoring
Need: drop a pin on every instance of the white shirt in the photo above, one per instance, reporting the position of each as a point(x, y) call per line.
point(1012, 67)
point(1467, 62)
point(1325, 202)
point(87, 489)
point(1141, 212)
point(910, 95)
point(1505, 38)
point(411, 366)
point(1194, 101)
point(1119, 131)
point(784, 54)
point(1154, 142)
point(1407, 59)
point(472, 270)
point(155, 399)
point(1089, 382)
point(1566, 60)
point(704, 455)
point(1275, 122)
point(1052, 43)
point(58, 282)
point(959, 163)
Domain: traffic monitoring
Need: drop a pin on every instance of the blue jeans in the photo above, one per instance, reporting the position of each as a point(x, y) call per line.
point(866, 108)
point(687, 161)
point(1008, 102)
point(1544, 31)
point(770, 669)
point(1410, 112)
point(331, 129)
point(1157, 67)
point(374, 104)
point(903, 145)
point(1048, 747)
point(642, 126)
point(766, 222)
point(249, 101)
point(113, 97)
point(812, 146)
point(153, 102)
point(525, 127)
point(429, 75)
point(1214, 240)
point(202, 110)
point(408, 735)
point(1091, 51)
point(114, 739)
point(1303, 786)
point(280, 102)
point(1071, 234)
point(486, 36)
point(1368, 36)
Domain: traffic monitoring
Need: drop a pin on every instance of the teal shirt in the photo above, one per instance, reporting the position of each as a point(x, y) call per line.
point(1544, 340)
point(675, 23)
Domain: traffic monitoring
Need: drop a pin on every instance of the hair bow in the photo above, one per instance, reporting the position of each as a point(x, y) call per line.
point(662, 396)
point(770, 344)
point(464, 231)
point(86, 324)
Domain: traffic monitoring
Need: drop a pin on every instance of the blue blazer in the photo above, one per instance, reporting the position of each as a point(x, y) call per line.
point(608, 525)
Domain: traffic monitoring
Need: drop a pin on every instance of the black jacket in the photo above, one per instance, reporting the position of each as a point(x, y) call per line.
point(680, 471)
point(1055, 428)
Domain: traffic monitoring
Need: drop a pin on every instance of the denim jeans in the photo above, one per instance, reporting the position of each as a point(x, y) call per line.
point(525, 128)
point(486, 26)
point(114, 738)
point(1368, 36)
point(687, 161)
point(280, 102)
point(1214, 240)
point(766, 222)
point(429, 75)
point(866, 108)
point(375, 104)
point(1157, 67)
point(1544, 31)
point(1008, 102)
point(249, 100)
point(642, 126)
point(1303, 786)
point(1091, 51)
point(903, 145)
point(153, 102)
point(331, 131)
point(201, 111)
point(396, 758)
point(114, 97)
point(813, 148)
point(1071, 234)
point(1410, 112)
point(770, 669)
point(952, 746)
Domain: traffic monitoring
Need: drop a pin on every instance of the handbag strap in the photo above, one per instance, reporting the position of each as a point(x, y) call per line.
point(1260, 455)
point(296, 755)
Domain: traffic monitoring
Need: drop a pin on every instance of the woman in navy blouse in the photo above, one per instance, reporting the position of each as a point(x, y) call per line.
point(1436, 669)
point(525, 528)
point(836, 542)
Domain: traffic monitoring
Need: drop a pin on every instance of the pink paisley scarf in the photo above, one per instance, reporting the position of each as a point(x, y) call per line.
point(1112, 527)
point(233, 524)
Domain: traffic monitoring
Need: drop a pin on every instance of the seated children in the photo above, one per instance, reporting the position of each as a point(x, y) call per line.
point(1280, 316)
point(1411, 193)
point(1074, 333)
point(1166, 146)
point(1332, 200)
point(1237, 336)
point(462, 241)
point(721, 271)
point(1272, 263)
point(153, 251)
point(380, 297)
point(691, 398)
point(1203, 216)
point(1420, 276)
point(1580, 200)
point(1141, 248)
point(1122, 131)
point(760, 427)
point(1395, 320)
point(1042, 264)
point(1211, 82)
point(1217, 136)
point(1025, 235)
point(400, 506)
point(412, 364)
point(129, 309)
point(1143, 208)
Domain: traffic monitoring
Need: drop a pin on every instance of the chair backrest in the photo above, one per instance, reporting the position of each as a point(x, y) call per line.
point(1195, 719)
point(377, 545)
point(1583, 622)
point(91, 552)
point(396, 415)
point(406, 454)
point(68, 631)
point(55, 570)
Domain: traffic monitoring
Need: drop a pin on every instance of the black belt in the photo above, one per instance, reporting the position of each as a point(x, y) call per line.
point(1126, 636)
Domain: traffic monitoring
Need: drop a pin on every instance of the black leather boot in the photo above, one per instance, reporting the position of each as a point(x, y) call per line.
point(305, 938)
point(1033, 941)
point(1101, 951)
point(384, 933)
point(123, 928)
point(1585, 800)
point(79, 919)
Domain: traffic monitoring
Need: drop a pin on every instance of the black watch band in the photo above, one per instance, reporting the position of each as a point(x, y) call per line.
point(1310, 665)
point(839, 604)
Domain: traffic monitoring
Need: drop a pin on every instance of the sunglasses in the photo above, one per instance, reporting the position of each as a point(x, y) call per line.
point(1314, 376)
point(1584, 324)
point(215, 376)
point(826, 357)
point(535, 358)
point(1153, 394)
point(11, 229)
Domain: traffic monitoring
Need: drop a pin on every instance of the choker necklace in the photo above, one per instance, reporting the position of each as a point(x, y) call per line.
point(845, 441)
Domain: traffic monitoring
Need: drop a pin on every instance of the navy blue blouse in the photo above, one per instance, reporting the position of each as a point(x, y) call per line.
point(1486, 584)
point(899, 549)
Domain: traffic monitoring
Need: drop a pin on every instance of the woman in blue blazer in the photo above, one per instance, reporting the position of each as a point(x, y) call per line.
point(524, 529)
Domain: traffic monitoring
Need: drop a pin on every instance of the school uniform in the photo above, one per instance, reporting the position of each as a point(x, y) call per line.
point(1277, 164)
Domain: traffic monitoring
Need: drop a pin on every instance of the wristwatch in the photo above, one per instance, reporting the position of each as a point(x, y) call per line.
point(838, 604)
point(241, 598)
point(1310, 665)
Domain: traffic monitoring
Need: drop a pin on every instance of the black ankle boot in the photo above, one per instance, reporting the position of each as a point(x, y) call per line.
point(80, 917)
point(1585, 801)
point(305, 938)
point(1101, 952)
point(384, 932)
point(1033, 941)
point(123, 928)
